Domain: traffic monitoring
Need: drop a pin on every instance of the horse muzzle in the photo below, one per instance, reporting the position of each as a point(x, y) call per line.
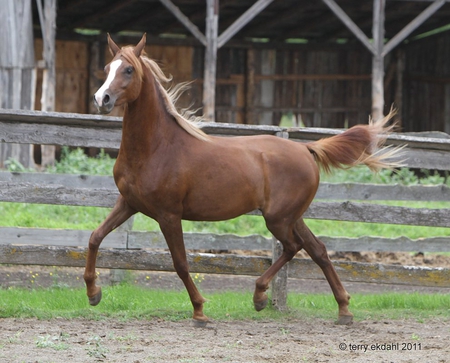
point(104, 102)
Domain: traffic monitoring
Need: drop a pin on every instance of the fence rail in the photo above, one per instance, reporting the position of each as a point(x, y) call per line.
point(135, 250)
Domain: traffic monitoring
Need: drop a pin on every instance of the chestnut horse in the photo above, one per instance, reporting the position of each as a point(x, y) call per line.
point(169, 170)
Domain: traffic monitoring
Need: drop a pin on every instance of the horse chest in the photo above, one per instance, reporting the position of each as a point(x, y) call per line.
point(149, 193)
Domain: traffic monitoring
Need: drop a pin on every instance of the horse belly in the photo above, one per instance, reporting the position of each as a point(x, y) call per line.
point(221, 201)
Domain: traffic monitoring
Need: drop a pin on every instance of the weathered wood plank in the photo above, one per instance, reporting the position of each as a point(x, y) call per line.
point(67, 180)
point(426, 159)
point(223, 264)
point(205, 241)
point(227, 129)
point(380, 244)
point(57, 194)
point(414, 142)
point(201, 241)
point(58, 237)
point(357, 191)
point(208, 241)
point(375, 273)
point(30, 133)
point(329, 191)
point(60, 118)
point(108, 122)
point(372, 213)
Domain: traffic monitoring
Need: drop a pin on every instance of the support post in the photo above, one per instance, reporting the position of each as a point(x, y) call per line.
point(17, 70)
point(117, 276)
point(95, 63)
point(48, 25)
point(279, 282)
point(400, 68)
point(250, 88)
point(209, 79)
point(378, 59)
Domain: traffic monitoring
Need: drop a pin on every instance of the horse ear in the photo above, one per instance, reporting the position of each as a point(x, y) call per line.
point(140, 46)
point(113, 47)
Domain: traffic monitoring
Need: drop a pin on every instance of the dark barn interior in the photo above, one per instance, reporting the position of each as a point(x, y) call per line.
point(292, 58)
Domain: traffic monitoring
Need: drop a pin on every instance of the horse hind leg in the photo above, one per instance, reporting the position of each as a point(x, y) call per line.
point(119, 214)
point(283, 233)
point(317, 251)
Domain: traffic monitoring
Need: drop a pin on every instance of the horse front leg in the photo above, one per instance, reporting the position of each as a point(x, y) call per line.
point(173, 233)
point(119, 214)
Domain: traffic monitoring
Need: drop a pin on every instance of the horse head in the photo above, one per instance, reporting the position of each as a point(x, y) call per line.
point(124, 77)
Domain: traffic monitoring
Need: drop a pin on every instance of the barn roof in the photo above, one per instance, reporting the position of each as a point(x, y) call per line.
point(281, 21)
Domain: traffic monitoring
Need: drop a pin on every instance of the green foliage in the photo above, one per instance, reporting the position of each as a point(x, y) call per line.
point(15, 166)
point(77, 162)
point(50, 216)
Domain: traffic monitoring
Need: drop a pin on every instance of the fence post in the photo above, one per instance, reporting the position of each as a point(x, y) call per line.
point(118, 275)
point(279, 282)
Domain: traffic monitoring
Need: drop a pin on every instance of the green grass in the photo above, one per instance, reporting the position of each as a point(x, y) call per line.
point(88, 218)
point(128, 301)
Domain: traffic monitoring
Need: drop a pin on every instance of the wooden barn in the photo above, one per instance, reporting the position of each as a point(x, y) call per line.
point(324, 63)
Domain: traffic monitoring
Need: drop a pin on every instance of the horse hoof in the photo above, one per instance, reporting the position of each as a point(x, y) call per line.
point(199, 323)
point(260, 305)
point(94, 300)
point(345, 320)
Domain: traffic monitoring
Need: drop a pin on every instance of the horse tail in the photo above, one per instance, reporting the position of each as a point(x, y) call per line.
point(361, 144)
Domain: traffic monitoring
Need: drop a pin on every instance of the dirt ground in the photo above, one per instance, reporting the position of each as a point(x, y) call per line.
point(156, 340)
point(81, 341)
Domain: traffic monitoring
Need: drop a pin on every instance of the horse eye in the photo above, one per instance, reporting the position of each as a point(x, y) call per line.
point(129, 70)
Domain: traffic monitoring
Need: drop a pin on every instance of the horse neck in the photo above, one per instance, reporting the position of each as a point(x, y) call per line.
point(147, 126)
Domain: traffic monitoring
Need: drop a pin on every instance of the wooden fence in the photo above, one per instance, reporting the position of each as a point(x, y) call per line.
point(128, 249)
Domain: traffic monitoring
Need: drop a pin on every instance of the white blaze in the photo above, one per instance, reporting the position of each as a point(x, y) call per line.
point(111, 75)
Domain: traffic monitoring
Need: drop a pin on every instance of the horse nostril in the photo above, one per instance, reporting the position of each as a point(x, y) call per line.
point(106, 99)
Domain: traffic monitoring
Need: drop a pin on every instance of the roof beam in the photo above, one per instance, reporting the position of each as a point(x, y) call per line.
point(348, 22)
point(283, 18)
point(243, 20)
point(413, 25)
point(185, 21)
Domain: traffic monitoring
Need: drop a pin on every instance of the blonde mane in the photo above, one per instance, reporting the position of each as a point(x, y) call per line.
point(185, 118)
